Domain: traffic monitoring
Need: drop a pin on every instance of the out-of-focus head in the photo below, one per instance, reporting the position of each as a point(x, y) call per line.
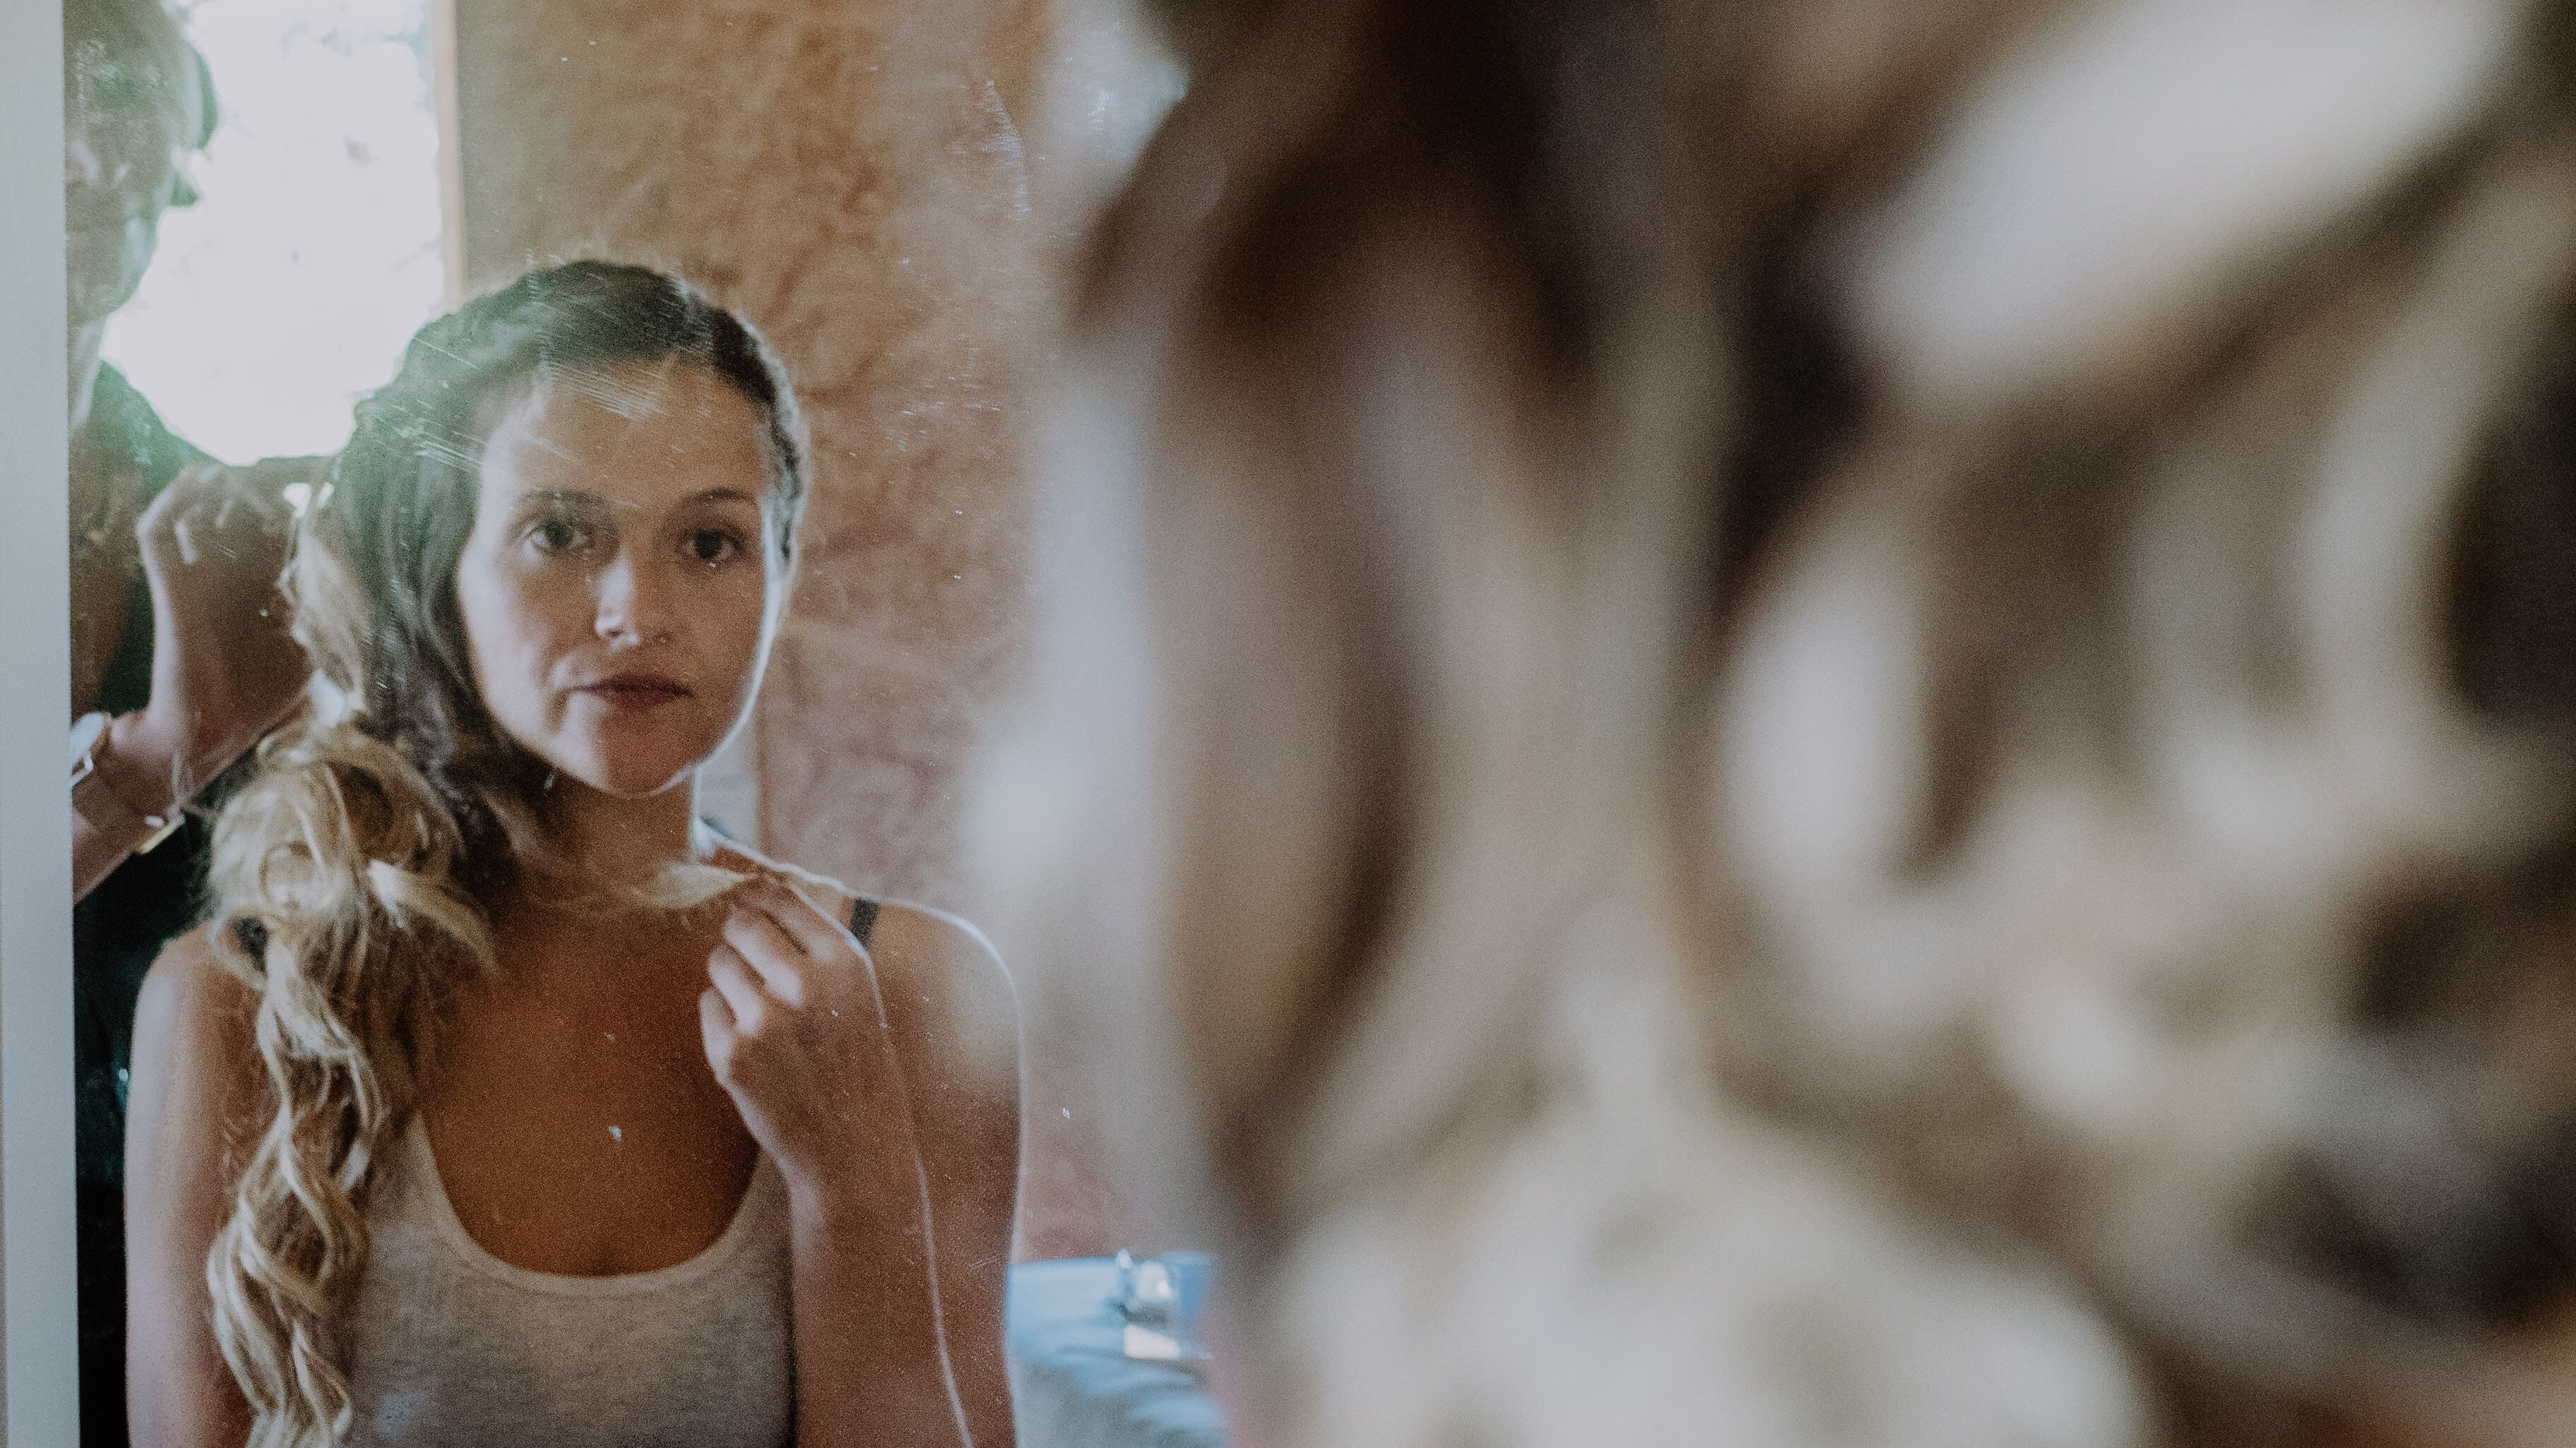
point(561, 538)
point(137, 103)
point(1870, 698)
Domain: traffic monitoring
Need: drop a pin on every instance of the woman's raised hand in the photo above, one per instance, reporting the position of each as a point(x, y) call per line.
point(796, 1030)
point(225, 670)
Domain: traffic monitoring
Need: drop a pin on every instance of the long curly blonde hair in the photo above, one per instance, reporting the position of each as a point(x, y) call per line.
point(357, 870)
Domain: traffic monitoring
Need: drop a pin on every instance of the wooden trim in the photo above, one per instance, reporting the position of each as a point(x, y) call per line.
point(39, 1399)
point(441, 23)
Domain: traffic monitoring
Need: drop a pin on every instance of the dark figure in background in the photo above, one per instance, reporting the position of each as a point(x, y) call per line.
point(179, 661)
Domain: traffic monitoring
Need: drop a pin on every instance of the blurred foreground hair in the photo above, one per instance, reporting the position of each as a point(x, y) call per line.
point(1835, 724)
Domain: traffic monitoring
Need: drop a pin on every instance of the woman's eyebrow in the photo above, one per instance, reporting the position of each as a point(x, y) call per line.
point(583, 501)
point(568, 499)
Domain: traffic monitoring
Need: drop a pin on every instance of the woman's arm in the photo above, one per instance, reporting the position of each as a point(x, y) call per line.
point(195, 1091)
point(225, 669)
point(855, 1078)
point(956, 1025)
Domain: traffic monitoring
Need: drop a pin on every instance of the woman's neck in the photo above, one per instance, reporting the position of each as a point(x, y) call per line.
point(574, 930)
point(618, 840)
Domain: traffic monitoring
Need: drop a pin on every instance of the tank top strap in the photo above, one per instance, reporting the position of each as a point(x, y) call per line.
point(856, 911)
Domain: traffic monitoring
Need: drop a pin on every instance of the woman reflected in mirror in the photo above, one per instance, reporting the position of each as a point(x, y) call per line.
point(503, 1100)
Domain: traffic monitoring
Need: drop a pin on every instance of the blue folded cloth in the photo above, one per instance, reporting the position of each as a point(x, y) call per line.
point(1074, 1384)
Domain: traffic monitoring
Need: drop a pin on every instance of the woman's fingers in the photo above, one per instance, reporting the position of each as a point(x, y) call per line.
point(183, 533)
point(816, 933)
point(243, 516)
point(185, 487)
point(757, 919)
point(211, 508)
point(715, 1028)
point(186, 494)
point(733, 979)
point(757, 939)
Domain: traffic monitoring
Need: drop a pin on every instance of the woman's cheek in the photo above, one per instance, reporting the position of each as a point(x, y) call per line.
point(538, 622)
point(740, 600)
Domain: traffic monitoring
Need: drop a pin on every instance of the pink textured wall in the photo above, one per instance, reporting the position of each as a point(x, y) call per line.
point(887, 190)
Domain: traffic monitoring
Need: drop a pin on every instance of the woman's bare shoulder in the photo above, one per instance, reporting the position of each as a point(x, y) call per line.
point(947, 963)
point(933, 965)
point(947, 937)
point(196, 1088)
point(197, 986)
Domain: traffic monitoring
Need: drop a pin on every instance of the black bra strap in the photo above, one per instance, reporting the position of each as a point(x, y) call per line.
point(863, 918)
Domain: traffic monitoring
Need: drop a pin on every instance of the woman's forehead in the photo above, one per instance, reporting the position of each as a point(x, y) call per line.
point(646, 433)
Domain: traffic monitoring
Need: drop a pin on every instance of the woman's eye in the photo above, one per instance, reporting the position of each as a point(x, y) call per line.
point(557, 535)
point(712, 546)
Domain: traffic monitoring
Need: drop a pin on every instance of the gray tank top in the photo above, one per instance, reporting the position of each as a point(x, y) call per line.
point(449, 1346)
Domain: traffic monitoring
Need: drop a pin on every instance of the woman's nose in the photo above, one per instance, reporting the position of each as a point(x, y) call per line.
point(633, 604)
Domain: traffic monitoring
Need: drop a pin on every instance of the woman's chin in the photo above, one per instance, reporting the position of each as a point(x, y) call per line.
point(627, 776)
point(646, 781)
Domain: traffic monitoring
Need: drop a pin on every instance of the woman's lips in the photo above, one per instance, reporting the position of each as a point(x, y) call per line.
point(636, 691)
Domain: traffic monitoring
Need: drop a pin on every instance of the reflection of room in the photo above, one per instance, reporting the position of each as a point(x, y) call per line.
point(320, 243)
point(1708, 770)
point(883, 188)
point(878, 186)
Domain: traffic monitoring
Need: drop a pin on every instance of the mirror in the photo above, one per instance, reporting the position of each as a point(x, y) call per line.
point(551, 497)
point(1806, 725)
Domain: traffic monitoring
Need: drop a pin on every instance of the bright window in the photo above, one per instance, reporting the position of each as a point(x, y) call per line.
point(319, 248)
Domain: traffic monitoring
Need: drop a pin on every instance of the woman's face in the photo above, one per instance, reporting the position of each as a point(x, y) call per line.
point(616, 589)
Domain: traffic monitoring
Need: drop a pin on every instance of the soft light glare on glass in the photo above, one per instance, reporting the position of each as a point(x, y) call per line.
point(288, 292)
